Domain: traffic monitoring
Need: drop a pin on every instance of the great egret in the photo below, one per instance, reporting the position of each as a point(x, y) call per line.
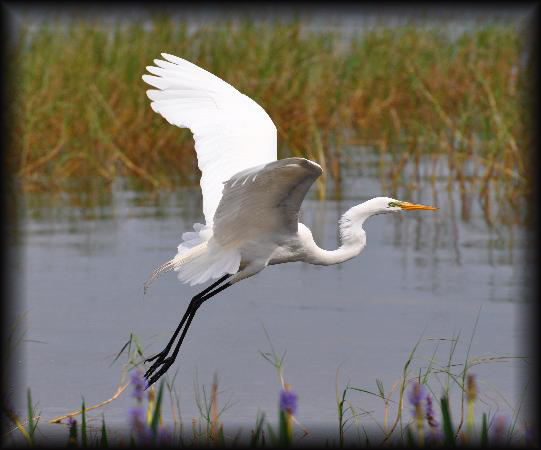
point(251, 201)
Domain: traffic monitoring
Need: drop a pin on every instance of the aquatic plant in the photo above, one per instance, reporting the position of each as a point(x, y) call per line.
point(288, 401)
point(81, 118)
point(430, 425)
point(416, 395)
point(139, 384)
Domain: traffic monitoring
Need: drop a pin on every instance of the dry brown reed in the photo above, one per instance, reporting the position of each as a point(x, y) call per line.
point(82, 119)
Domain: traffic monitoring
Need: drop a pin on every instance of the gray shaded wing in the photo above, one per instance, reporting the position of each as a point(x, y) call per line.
point(263, 201)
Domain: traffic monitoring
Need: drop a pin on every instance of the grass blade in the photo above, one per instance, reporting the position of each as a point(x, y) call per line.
point(72, 438)
point(84, 441)
point(156, 416)
point(31, 426)
point(449, 437)
point(410, 438)
point(103, 439)
point(260, 420)
point(484, 431)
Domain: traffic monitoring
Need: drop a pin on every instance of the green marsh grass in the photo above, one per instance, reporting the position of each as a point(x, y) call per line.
point(406, 429)
point(81, 117)
point(431, 374)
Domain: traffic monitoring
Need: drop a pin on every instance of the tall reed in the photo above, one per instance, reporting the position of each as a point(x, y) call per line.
point(81, 116)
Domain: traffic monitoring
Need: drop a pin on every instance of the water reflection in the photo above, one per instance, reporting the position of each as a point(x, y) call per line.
point(456, 238)
point(84, 270)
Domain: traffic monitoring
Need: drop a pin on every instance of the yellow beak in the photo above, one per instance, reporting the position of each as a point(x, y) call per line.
point(412, 206)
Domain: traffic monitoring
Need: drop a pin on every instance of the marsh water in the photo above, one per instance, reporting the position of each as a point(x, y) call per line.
point(423, 275)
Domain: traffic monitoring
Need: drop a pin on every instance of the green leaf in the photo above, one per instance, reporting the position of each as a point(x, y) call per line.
point(285, 438)
point(379, 394)
point(103, 440)
point(260, 420)
point(72, 438)
point(221, 438)
point(484, 431)
point(410, 438)
point(447, 423)
point(122, 350)
point(84, 441)
point(31, 426)
point(273, 437)
point(380, 388)
point(156, 416)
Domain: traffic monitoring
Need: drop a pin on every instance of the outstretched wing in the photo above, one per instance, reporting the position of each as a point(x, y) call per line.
point(263, 201)
point(231, 131)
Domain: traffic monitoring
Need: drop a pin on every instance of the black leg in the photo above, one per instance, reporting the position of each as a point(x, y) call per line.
point(161, 358)
point(165, 351)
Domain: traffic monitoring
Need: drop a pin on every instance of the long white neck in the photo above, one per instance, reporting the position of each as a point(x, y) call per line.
point(352, 237)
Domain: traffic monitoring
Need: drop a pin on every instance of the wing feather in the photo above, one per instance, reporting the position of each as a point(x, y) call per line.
point(231, 131)
point(263, 201)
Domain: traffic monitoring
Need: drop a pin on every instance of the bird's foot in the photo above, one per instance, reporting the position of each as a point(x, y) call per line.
point(160, 355)
point(152, 377)
point(160, 358)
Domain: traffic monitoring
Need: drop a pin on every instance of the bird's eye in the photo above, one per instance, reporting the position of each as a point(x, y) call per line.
point(393, 204)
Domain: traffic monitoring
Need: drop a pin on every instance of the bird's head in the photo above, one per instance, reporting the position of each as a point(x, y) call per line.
point(355, 216)
point(381, 205)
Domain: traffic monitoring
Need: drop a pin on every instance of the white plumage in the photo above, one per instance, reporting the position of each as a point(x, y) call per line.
point(231, 133)
point(230, 130)
point(251, 201)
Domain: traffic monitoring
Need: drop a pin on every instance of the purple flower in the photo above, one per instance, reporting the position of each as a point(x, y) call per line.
point(9, 409)
point(139, 427)
point(136, 416)
point(499, 427)
point(165, 437)
point(72, 430)
point(139, 384)
point(430, 412)
point(530, 434)
point(415, 396)
point(288, 401)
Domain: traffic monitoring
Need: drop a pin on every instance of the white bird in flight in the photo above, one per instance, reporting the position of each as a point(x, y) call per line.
point(251, 200)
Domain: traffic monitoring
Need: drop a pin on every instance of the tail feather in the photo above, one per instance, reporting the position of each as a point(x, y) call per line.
point(199, 258)
point(176, 263)
point(213, 263)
